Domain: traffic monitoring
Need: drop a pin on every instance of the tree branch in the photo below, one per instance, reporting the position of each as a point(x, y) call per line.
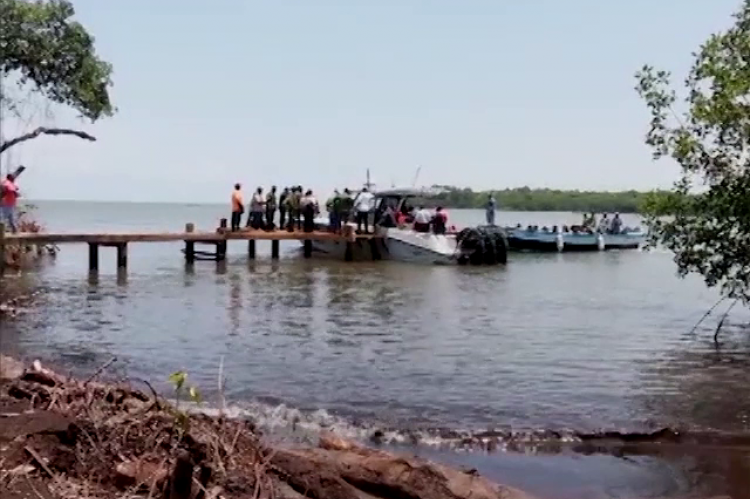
point(44, 131)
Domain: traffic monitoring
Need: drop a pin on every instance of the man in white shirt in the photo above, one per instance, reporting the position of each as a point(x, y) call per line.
point(363, 206)
point(422, 220)
point(603, 224)
point(257, 205)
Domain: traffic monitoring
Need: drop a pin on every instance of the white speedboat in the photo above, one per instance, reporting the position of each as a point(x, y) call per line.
point(402, 244)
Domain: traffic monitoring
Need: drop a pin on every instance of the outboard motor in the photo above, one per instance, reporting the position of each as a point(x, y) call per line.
point(484, 245)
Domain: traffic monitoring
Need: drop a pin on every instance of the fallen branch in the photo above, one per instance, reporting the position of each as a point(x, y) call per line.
point(100, 370)
point(41, 462)
point(44, 131)
point(721, 322)
point(720, 301)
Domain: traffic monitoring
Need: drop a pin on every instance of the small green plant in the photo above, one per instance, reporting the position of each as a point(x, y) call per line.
point(181, 389)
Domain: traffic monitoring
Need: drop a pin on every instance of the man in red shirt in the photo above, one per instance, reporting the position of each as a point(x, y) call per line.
point(8, 199)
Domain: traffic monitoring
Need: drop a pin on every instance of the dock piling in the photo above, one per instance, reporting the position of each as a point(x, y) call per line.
point(221, 251)
point(275, 249)
point(221, 246)
point(308, 248)
point(189, 245)
point(122, 256)
point(251, 249)
point(375, 250)
point(93, 257)
point(350, 237)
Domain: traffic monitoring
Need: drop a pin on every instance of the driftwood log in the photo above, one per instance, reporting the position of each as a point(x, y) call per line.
point(354, 471)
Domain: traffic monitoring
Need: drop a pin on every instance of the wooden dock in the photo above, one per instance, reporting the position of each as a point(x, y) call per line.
point(218, 239)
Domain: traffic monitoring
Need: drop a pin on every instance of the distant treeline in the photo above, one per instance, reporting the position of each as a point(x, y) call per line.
point(527, 199)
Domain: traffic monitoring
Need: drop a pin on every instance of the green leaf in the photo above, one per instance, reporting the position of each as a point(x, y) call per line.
point(178, 379)
point(195, 395)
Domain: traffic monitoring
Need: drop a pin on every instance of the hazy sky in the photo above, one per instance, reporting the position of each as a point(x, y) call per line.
point(480, 93)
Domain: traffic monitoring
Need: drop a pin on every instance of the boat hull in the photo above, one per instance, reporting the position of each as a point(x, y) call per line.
point(427, 249)
point(401, 245)
point(522, 240)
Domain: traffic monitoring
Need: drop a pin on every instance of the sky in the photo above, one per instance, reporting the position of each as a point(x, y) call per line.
point(486, 94)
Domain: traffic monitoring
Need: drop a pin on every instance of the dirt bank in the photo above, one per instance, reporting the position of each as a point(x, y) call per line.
point(66, 438)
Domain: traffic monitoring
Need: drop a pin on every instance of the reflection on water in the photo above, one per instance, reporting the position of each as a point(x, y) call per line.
point(549, 342)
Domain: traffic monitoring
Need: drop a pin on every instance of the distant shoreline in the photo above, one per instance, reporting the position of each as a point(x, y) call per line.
point(521, 199)
point(427, 203)
point(544, 200)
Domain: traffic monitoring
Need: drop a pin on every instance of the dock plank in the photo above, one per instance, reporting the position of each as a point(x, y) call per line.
point(153, 237)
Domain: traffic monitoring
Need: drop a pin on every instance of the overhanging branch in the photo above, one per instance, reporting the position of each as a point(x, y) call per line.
point(44, 131)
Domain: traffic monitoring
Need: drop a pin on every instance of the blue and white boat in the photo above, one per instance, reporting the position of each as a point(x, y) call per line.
point(557, 239)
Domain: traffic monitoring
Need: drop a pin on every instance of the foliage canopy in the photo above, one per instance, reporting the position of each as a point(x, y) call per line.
point(706, 130)
point(41, 45)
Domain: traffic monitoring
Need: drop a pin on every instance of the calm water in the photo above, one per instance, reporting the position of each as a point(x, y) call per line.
point(559, 341)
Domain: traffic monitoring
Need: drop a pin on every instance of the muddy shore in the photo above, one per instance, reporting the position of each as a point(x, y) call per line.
point(71, 438)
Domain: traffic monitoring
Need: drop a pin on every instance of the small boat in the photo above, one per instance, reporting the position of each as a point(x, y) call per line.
point(557, 239)
point(404, 244)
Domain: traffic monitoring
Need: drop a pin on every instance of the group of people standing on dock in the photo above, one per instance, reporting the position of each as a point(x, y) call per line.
point(297, 208)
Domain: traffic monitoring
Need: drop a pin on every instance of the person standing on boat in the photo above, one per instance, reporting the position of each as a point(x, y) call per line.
point(615, 227)
point(363, 206)
point(603, 226)
point(387, 219)
point(589, 222)
point(283, 207)
point(255, 219)
point(422, 220)
point(439, 221)
point(490, 208)
point(238, 207)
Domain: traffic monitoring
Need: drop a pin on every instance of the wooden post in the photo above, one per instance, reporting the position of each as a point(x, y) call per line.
point(2, 248)
point(308, 248)
point(350, 237)
point(251, 249)
point(93, 257)
point(122, 256)
point(275, 249)
point(221, 251)
point(374, 249)
point(189, 245)
point(221, 246)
